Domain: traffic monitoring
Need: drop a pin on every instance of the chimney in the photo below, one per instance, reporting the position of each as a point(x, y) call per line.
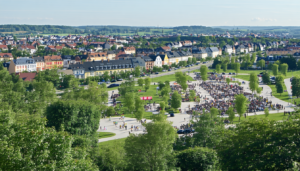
point(107, 60)
point(102, 60)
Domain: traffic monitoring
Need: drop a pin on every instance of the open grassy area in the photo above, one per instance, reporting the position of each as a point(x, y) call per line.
point(105, 134)
point(243, 77)
point(112, 143)
point(275, 116)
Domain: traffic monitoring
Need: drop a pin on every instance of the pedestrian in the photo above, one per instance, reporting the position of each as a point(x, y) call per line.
point(184, 119)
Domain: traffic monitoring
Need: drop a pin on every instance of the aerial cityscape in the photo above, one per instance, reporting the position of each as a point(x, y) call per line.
point(110, 86)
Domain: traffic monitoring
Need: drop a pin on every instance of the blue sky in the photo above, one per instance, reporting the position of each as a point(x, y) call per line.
point(152, 12)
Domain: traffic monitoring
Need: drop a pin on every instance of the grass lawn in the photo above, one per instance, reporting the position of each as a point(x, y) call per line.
point(284, 96)
point(275, 116)
point(105, 134)
point(168, 77)
point(243, 77)
point(112, 143)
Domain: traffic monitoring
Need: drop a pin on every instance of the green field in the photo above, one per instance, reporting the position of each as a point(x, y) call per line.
point(105, 134)
point(275, 116)
point(168, 78)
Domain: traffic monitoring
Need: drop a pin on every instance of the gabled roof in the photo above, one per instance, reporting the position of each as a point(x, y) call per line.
point(27, 76)
point(38, 59)
point(52, 58)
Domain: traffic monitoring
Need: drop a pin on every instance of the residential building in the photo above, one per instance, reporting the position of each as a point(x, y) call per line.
point(40, 63)
point(199, 53)
point(212, 52)
point(129, 50)
point(3, 47)
point(6, 57)
point(228, 49)
point(149, 63)
point(157, 61)
point(27, 76)
point(97, 68)
point(22, 64)
point(97, 56)
point(78, 70)
point(111, 55)
point(138, 61)
point(53, 62)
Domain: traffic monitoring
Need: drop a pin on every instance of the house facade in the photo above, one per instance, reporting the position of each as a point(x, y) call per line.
point(228, 49)
point(98, 68)
point(157, 61)
point(78, 70)
point(6, 57)
point(212, 52)
point(98, 56)
point(53, 62)
point(22, 64)
point(40, 63)
point(129, 50)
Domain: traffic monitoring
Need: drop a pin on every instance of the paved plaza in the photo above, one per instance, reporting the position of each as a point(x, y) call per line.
point(184, 118)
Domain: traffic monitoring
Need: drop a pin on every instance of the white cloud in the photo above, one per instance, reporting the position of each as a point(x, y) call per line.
point(264, 19)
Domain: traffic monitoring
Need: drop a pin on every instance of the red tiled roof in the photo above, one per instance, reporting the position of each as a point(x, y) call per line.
point(52, 58)
point(3, 46)
point(27, 76)
point(6, 54)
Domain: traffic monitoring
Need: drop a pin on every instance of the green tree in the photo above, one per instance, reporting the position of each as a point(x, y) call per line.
point(137, 71)
point(296, 86)
point(141, 82)
point(279, 88)
point(139, 108)
point(261, 63)
point(260, 145)
point(129, 102)
point(151, 151)
point(200, 158)
point(194, 60)
point(224, 67)
point(29, 145)
point(231, 114)
point(237, 67)
point(266, 78)
point(284, 68)
point(147, 83)
point(110, 111)
point(241, 103)
point(77, 117)
point(203, 72)
point(253, 83)
point(228, 80)
point(189, 61)
point(218, 68)
point(213, 112)
point(275, 69)
point(175, 100)
point(192, 95)
point(266, 112)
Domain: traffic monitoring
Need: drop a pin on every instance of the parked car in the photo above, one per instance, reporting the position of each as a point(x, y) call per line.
point(113, 85)
point(233, 73)
point(186, 131)
point(107, 82)
point(169, 70)
point(204, 62)
point(197, 63)
point(164, 70)
point(230, 73)
point(113, 81)
point(223, 73)
point(120, 79)
point(291, 79)
point(156, 73)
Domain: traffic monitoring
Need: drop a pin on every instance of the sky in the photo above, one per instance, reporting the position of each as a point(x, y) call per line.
point(162, 13)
